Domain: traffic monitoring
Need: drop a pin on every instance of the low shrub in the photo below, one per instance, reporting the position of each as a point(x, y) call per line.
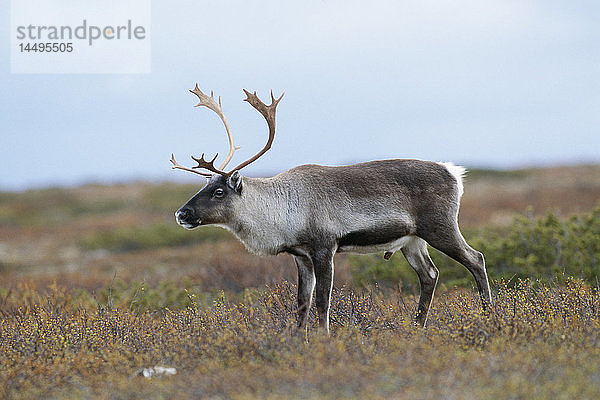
point(537, 341)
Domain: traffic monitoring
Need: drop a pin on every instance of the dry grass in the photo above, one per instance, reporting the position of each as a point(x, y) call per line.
point(537, 342)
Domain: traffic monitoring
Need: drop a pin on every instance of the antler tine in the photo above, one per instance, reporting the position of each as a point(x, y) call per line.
point(269, 113)
point(209, 102)
point(177, 166)
point(209, 165)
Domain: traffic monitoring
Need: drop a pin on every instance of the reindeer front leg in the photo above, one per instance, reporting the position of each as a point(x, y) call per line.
point(323, 265)
point(306, 286)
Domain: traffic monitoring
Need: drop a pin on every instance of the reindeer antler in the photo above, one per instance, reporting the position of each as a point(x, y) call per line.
point(269, 113)
point(177, 166)
point(209, 101)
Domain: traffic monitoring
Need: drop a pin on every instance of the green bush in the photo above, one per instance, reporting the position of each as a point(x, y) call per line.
point(374, 269)
point(544, 249)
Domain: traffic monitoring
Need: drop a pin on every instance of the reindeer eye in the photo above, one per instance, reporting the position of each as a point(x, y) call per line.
point(219, 192)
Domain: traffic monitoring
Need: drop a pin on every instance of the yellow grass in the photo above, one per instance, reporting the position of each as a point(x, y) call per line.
point(537, 342)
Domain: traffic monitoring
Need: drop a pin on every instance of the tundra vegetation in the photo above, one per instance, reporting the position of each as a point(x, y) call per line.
point(98, 283)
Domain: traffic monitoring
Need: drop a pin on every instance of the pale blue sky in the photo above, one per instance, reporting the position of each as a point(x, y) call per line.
point(481, 83)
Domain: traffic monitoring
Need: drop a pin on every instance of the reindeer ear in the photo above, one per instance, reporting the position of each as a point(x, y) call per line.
point(235, 182)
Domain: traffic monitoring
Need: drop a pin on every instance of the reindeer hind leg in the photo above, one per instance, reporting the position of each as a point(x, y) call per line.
point(446, 237)
point(415, 252)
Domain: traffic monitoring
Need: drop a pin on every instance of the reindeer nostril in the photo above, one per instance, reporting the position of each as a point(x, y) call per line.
point(187, 218)
point(183, 214)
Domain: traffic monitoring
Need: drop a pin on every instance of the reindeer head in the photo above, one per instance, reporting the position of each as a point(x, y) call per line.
point(213, 204)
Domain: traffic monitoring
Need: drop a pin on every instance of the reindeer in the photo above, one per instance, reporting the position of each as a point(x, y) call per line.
point(313, 212)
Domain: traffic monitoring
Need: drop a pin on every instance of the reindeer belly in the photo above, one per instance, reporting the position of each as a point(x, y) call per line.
point(378, 239)
point(377, 248)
